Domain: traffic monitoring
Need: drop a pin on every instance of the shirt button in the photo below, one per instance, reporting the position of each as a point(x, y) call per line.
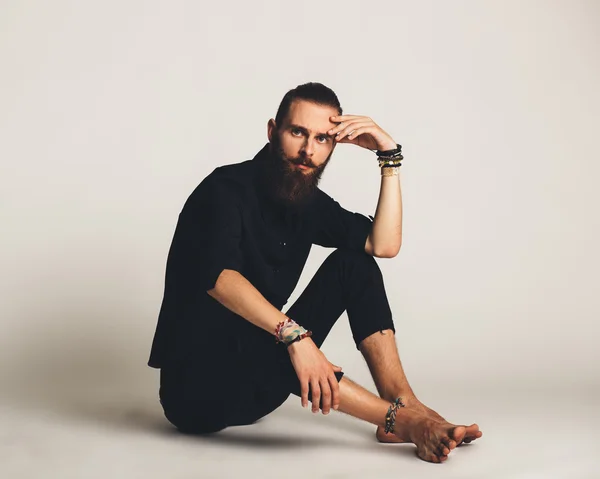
point(283, 243)
point(275, 270)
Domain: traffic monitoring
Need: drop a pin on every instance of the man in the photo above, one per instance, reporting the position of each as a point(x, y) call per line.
point(228, 354)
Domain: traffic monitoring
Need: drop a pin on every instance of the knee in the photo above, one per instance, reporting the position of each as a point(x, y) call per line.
point(200, 420)
point(356, 264)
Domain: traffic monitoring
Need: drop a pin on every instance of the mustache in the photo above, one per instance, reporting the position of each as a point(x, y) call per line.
point(302, 161)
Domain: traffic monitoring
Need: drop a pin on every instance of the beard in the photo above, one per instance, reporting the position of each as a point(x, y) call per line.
point(284, 182)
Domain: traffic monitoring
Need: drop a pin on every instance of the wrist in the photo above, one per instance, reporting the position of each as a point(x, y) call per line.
point(289, 331)
point(293, 346)
point(387, 146)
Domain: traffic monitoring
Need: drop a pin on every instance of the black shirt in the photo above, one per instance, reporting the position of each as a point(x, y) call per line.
point(229, 222)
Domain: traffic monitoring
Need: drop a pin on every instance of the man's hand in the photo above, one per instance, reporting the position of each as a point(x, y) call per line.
point(313, 368)
point(361, 131)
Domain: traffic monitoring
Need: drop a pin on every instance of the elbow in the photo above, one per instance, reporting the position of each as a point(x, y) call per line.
point(388, 253)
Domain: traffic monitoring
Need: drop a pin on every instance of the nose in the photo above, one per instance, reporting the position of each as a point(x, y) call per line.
point(308, 149)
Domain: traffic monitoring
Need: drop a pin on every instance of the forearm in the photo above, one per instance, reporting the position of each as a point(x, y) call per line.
point(237, 294)
point(386, 233)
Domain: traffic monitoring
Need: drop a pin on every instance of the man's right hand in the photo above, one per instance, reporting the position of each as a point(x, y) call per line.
point(313, 368)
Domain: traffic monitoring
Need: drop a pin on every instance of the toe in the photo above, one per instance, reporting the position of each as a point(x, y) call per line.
point(450, 443)
point(458, 433)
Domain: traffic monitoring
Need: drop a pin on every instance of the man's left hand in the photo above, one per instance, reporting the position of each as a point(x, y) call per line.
point(361, 131)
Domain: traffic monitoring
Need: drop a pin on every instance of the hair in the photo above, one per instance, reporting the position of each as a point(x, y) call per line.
point(313, 92)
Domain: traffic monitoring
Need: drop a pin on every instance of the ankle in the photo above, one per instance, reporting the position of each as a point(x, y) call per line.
point(408, 397)
point(405, 424)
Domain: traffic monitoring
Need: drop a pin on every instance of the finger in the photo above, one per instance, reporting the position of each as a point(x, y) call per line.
point(335, 392)
point(359, 131)
point(316, 395)
point(353, 128)
point(325, 396)
point(348, 126)
point(336, 368)
point(304, 393)
point(346, 117)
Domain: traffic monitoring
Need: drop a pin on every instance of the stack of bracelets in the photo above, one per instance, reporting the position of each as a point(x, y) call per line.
point(390, 417)
point(289, 331)
point(390, 161)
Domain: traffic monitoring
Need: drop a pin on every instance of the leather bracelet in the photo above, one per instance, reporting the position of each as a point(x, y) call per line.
point(300, 337)
point(394, 151)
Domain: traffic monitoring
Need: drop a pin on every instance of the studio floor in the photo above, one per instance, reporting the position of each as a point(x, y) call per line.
point(93, 434)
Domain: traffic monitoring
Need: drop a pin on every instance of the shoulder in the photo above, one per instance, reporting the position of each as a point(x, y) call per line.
point(230, 181)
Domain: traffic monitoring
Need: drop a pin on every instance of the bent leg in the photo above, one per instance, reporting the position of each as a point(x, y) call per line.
point(219, 387)
point(346, 281)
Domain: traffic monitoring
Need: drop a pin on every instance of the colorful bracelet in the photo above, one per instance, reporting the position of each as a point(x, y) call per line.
point(289, 330)
point(281, 325)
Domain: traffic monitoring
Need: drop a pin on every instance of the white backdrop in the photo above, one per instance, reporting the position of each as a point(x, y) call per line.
point(112, 112)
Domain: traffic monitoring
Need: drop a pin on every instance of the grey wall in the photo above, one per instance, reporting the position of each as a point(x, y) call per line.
point(112, 112)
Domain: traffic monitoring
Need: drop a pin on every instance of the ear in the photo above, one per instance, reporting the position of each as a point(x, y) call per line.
point(271, 127)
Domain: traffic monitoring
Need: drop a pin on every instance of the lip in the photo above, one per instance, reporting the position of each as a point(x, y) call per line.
point(303, 167)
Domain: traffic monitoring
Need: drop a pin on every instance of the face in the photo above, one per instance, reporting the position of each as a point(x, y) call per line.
point(300, 150)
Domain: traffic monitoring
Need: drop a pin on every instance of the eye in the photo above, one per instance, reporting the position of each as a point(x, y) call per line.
point(323, 139)
point(296, 132)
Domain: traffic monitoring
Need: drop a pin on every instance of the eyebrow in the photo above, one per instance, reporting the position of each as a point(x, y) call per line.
point(306, 130)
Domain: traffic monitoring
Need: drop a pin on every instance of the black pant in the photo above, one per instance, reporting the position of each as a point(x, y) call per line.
point(239, 379)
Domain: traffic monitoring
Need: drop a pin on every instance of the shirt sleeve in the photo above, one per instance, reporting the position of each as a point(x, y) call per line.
point(208, 234)
point(339, 228)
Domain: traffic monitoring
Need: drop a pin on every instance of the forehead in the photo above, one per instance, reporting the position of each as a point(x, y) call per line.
point(311, 116)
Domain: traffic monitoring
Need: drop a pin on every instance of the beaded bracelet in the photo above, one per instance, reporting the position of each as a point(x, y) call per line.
point(390, 417)
point(383, 164)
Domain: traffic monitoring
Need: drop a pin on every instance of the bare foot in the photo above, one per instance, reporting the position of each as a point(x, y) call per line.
point(472, 431)
point(434, 440)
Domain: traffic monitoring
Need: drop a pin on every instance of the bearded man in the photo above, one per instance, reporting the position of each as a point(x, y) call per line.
point(228, 354)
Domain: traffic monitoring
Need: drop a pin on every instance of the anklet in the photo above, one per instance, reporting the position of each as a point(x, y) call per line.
point(390, 418)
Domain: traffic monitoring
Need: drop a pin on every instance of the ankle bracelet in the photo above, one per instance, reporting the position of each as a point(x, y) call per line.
point(390, 417)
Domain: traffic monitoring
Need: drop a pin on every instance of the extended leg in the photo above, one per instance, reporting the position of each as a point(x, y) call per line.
point(381, 354)
point(434, 440)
